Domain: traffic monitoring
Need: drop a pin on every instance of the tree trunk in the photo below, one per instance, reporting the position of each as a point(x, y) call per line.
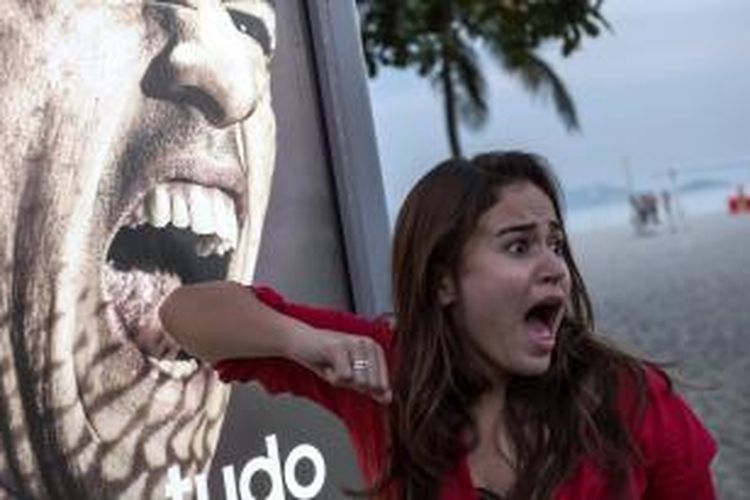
point(451, 120)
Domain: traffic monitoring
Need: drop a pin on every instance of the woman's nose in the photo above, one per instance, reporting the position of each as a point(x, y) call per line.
point(210, 65)
point(553, 268)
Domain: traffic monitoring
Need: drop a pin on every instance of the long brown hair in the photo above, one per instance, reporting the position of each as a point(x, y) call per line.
point(552, 419)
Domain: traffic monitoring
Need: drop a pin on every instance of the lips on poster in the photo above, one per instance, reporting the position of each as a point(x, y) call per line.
point(138, 145)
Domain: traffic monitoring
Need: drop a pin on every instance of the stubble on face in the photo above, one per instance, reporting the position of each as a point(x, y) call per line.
point(96, 409)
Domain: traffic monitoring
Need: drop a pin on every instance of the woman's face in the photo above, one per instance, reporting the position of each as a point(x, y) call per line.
point(510, 289)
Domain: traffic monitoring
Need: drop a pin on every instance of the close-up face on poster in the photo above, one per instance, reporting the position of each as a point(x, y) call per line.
point(197, 220)
point(139, 151)
point(138, 145)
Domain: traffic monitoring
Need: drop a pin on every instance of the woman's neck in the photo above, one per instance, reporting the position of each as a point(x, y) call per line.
point(491, 459)
point(488, 411)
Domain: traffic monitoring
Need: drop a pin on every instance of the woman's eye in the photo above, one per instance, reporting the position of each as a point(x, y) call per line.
point(518, 247)
point(558, 246)
point(253, 27)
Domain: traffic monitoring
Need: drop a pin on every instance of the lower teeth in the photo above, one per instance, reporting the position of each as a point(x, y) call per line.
point(136, 296)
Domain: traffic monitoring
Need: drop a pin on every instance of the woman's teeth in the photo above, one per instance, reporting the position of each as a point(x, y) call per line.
point(208, 212)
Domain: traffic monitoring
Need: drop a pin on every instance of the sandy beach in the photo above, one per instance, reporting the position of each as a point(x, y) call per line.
point(684, 297)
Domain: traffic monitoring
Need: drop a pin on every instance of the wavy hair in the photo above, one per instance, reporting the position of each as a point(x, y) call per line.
point(552, 419)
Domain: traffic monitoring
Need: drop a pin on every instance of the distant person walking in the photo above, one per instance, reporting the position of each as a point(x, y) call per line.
point(740, 203)
point(666, 201)
point(638, 217)
point(645, 212)
point(651, 206)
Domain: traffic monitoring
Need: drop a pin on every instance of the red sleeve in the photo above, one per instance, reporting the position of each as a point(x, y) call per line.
point(677, 448)
point(278, 375)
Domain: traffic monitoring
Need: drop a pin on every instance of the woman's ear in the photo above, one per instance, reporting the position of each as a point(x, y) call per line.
point(447, 290)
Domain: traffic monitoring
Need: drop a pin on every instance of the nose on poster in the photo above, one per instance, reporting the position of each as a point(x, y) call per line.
point(156, 144)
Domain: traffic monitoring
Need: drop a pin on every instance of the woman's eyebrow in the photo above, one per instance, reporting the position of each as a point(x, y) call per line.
point(515, 228)
point(554, 226)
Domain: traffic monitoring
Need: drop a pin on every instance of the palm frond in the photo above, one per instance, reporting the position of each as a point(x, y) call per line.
point(471, 86)
point(538, 77)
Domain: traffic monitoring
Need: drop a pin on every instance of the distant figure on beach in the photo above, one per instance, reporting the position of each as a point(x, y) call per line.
point(638, 216)
point(651, 204)
point(739, 203)
point(490, 380)
point(666, 200)
point(645, 212)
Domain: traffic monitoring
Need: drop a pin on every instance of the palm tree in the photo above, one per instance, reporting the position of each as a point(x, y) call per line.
point(440, 38)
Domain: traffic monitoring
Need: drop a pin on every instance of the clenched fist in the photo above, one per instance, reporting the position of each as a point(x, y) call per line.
point(345, 360)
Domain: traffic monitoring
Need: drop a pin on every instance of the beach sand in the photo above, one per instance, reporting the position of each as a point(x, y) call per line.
point(684, 297)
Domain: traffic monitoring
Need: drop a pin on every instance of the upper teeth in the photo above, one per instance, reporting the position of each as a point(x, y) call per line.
point(208, 212)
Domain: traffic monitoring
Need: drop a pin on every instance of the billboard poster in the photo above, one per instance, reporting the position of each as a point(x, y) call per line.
point(146, 144)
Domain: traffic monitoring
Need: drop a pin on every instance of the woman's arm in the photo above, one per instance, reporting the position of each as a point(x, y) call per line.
point(222, 319)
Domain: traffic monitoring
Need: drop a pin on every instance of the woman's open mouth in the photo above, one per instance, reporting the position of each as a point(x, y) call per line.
point(179, 232)
point(543, 319)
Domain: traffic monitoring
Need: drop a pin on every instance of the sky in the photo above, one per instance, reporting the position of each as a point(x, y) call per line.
point(668, 88)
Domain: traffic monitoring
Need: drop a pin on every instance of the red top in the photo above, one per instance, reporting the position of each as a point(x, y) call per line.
point(676, 447)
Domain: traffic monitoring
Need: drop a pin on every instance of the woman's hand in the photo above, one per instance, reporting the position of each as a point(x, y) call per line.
point(344, 360)
point(205, 319)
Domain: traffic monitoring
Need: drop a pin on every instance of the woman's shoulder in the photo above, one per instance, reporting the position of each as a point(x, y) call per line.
point(665, 427)
point(644, 390)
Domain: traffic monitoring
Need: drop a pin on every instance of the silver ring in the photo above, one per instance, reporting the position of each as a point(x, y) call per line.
point(361, 364)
